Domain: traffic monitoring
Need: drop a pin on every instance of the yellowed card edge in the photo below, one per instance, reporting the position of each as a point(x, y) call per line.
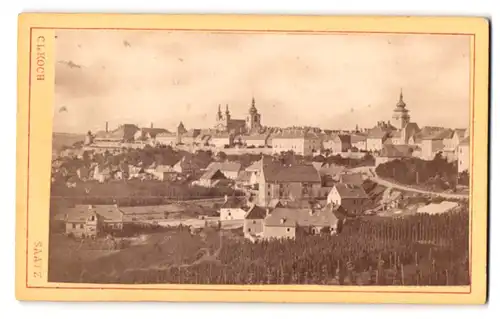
point(478, 27)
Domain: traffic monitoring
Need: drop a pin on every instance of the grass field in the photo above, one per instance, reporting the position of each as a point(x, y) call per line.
point(59, 140)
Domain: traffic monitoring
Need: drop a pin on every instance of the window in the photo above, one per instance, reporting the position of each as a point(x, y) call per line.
point(288, 230)
point(229, 214)
point(81, 226)
point(92, 218)
point(74, 226)
point(249, 229)
point(254, 222)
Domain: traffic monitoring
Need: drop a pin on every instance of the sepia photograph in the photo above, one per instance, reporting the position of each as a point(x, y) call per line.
point(260, 158)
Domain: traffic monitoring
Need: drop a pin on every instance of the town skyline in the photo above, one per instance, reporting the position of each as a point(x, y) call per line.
point(185, 76)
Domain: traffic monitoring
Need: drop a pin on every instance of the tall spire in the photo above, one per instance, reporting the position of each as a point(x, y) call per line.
point(253, 109)
point(227, 108)
point(401, 103)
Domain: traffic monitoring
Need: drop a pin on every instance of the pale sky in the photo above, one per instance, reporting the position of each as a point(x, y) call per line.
point(330, 81)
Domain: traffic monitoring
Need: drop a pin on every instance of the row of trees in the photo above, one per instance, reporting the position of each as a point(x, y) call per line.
point(437, 174)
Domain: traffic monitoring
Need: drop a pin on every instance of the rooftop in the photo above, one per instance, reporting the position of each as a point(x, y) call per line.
point(350, 191)
point(290, 217)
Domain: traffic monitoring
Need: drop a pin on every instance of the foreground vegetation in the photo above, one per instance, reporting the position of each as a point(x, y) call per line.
point(414, 250)
point(435, 175)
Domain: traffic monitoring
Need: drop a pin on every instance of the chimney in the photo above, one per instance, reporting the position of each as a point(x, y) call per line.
point(106, 127)
point(268, 211)
point(225, 198)
point(151, 124)
point(283, 220)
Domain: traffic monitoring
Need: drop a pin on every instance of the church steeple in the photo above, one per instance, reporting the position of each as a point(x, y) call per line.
point(400, 114)
point(253, 109)
point(219, 114)
point(401, 103)
point(228, 114)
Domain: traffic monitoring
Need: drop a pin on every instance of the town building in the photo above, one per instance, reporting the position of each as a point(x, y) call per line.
point(253, 120)
point(299, 142)
point(391, 152)
point(358, 141)
point(148, 133)
point(352, 198)
point(256, 140)
point(253, 224)
point(287, 223)
point(432, 144)
point(230, 169)
point(377, 137)
point(210, 178)
point(233, 208)
point(150, 214)
point(91, 221)
point(221, 140)
point(187, 165)
point(102, 173)
point(337, 143)
point(400, 116)
point(287, 183)
point(451, 142)
point(463, 155)
point(166, 138)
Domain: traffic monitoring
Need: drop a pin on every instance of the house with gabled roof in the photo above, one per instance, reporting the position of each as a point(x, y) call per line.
point(391, 152)
point(253, 224)
point(351, 179)
point(256, 140)
point(358, 141)
point(301, 142)
point(287, 182)
point(233, 208)
point(352, 198)
point(376, 138)
point(337, 143)
point(91, 220)
point(230, 169)
point(210, 178)
point(286, 223)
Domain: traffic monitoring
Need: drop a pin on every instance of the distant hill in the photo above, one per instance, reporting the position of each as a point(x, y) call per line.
point(65, 139)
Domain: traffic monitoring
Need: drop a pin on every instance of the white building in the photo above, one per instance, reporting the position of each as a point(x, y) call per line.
point(463, 154)
point(301, 143)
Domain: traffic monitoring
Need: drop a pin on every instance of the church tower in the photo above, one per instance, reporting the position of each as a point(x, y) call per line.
point(401, 114)
point(253, 118)
point(181, 130)
point(228, 114)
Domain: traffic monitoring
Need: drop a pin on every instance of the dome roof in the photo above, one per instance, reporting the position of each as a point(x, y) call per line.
point(401, 103)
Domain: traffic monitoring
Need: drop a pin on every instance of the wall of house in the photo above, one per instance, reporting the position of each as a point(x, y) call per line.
point(360, 145)
point(374, 144)
point(219, 142)
point(294, 190)
point(354, 205)
point(430, 148)
point(256, 143)
point(288, 144)
point(463, 158)
point(278, 232)
point(232, 214)
point(230, 174)
point(253, 226)
point(166, 140)
point(312, 145)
